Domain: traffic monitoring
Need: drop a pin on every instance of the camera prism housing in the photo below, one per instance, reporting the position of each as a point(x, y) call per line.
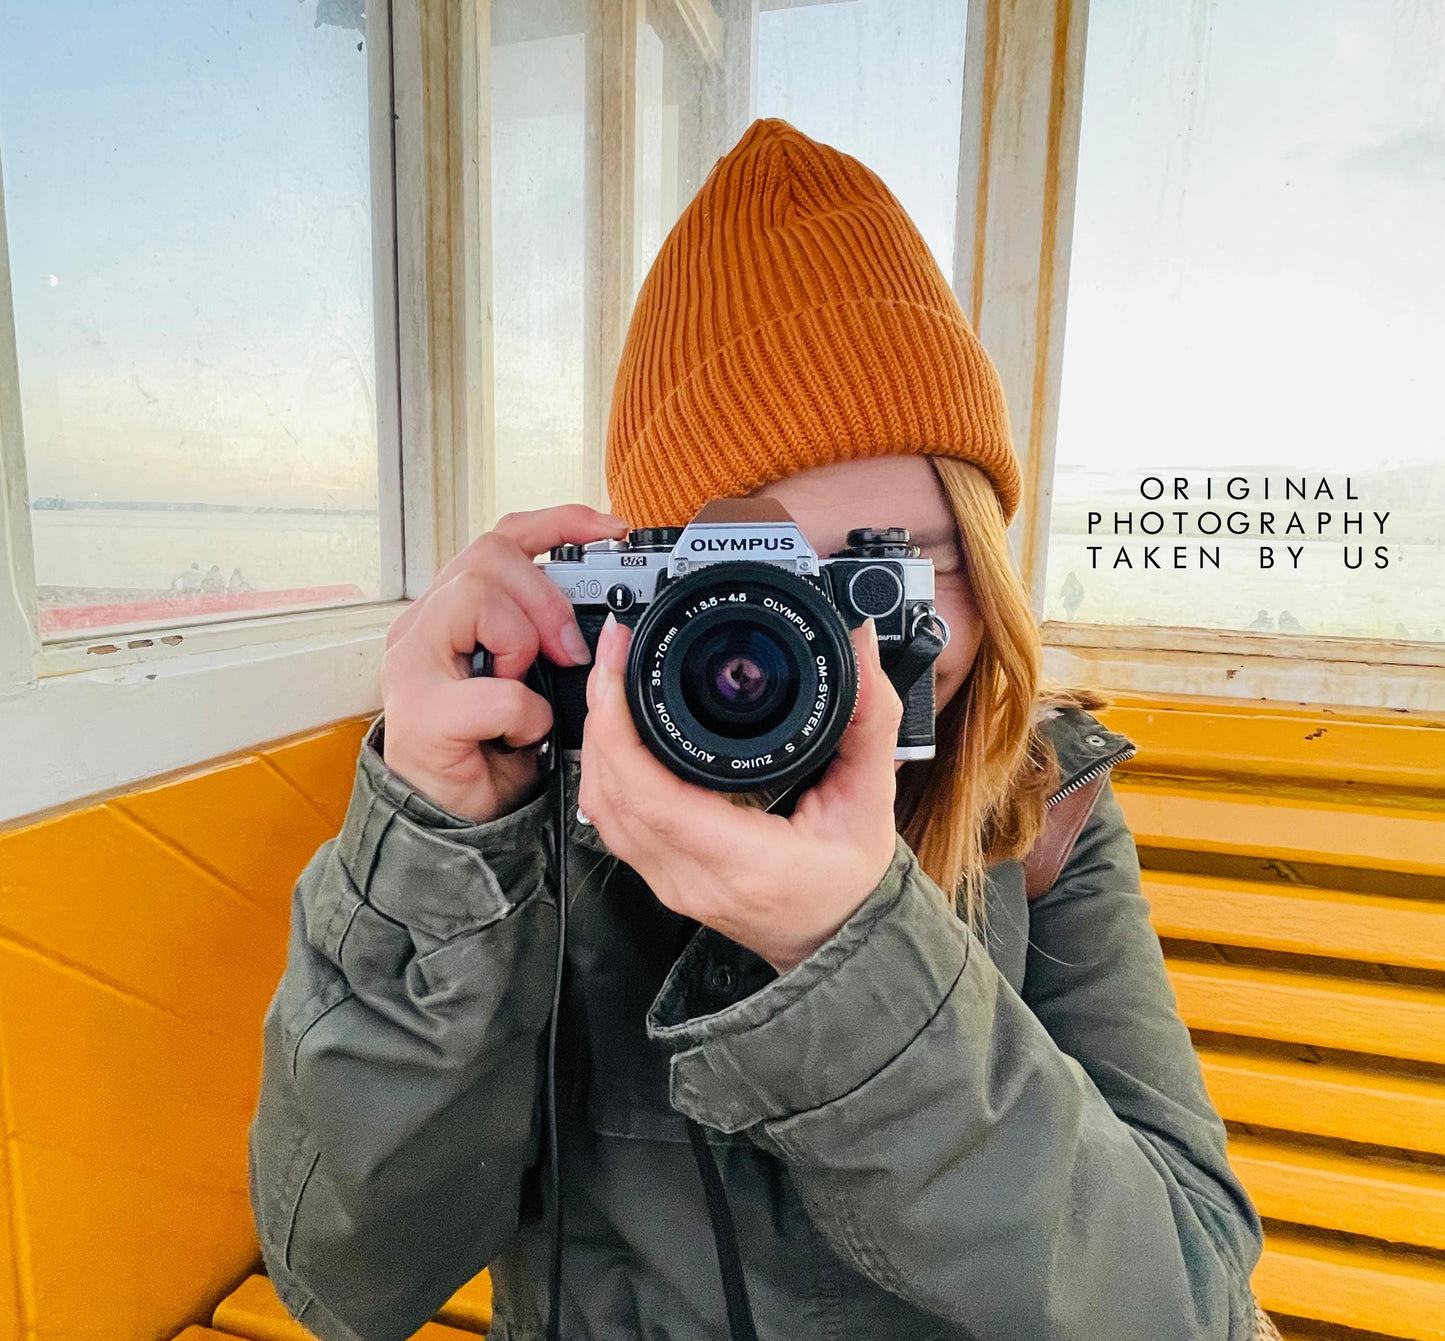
point(741, 675)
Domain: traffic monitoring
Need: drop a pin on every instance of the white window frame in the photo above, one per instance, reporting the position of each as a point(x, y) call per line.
point(1022, 107)
point(102, 712)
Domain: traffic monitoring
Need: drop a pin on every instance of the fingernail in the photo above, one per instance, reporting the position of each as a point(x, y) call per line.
point(606, 642)
point(575, 645)
point(615, 519)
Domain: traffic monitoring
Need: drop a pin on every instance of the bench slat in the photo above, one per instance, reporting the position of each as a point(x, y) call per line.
point(1378, 1198)
point(1369, 927)
point(1327, 1011)
point(1370, 1288)
point(1388, 838)
point(471, 1307)
point(1327, 1100)
point(1259, 741)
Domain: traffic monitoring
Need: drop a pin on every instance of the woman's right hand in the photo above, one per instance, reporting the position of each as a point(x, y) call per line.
point(436, 712)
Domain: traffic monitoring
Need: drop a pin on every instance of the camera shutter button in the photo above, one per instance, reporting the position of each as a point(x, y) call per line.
point(875, 591)
point(621, 598)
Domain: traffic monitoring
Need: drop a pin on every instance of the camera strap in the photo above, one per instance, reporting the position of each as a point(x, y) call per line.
point(735, 1288)
point(558, 784)
point(907, 666)
point(549, 761)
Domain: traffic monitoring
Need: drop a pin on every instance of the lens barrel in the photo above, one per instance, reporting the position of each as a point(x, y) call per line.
point(741, 676)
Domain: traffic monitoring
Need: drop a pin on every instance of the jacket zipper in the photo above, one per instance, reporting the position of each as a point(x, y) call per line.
point(1090, 773)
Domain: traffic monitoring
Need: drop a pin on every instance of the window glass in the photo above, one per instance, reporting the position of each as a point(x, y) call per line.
point(1254, 300)
point(881, 80)
point(676, 105)
point(539, 250)
point(187, 192)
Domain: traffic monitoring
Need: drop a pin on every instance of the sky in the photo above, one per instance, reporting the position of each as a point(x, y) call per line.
point(188, 204)
point(1257, 270)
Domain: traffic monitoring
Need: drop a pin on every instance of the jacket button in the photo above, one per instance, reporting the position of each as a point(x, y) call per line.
point(721, 979)
point(1096, 741)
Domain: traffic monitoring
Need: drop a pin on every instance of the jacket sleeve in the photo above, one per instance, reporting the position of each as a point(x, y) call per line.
point(1051, 1169)
point(398, 1111)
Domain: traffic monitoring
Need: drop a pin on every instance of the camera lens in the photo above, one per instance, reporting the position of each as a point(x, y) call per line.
point(738, 680)
point(741, 676)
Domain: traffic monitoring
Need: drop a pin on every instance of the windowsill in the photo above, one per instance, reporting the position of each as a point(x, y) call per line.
point(1395, 676)
point(86, 729)
point(113, 648)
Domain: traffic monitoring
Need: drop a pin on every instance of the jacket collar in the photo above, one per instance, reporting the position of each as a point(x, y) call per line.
point(1084, 745)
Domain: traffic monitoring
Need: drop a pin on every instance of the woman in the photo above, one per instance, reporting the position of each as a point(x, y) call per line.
point(938, 1109)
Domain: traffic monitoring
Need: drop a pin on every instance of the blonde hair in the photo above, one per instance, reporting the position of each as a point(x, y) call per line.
point(981, 799)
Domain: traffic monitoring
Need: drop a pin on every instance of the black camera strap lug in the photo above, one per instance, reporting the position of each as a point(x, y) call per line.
point(905, 667)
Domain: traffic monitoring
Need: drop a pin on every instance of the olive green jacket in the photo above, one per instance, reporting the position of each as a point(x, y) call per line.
point(922, 1134)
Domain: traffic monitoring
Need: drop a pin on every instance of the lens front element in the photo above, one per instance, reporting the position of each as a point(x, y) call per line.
point(739, 680)
point(741, 676)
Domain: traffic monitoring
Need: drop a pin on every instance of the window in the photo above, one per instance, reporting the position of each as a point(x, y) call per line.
point(588, 176)
point(881, 81)
point(539, 290)
point(1253, 304)
point(675, 117)
point(188, 196)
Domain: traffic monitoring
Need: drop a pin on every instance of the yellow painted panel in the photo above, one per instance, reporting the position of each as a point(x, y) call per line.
point(254, 1311)
point(322, 766)
point(471, 1307)
point(93, 893)
point(1406, 1112)
point(1268, 742)
point(1382, 1018)
point(1298, 920)
point(1399, 1294)
point(138, 1250)
point(140, 941)
point(242, 820)
point(1388, 838)
point(93, 1073)
point(1379, 1198)
point(11, 1318)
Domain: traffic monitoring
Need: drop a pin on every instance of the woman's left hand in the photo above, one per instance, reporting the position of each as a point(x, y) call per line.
point(780, 886)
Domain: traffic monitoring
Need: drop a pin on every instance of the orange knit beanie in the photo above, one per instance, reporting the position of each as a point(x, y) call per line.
point(794, 317)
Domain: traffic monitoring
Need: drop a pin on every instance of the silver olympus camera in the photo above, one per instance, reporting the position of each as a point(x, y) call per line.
point(741, 676)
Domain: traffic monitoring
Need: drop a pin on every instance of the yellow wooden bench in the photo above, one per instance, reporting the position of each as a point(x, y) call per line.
point(1294, 860)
